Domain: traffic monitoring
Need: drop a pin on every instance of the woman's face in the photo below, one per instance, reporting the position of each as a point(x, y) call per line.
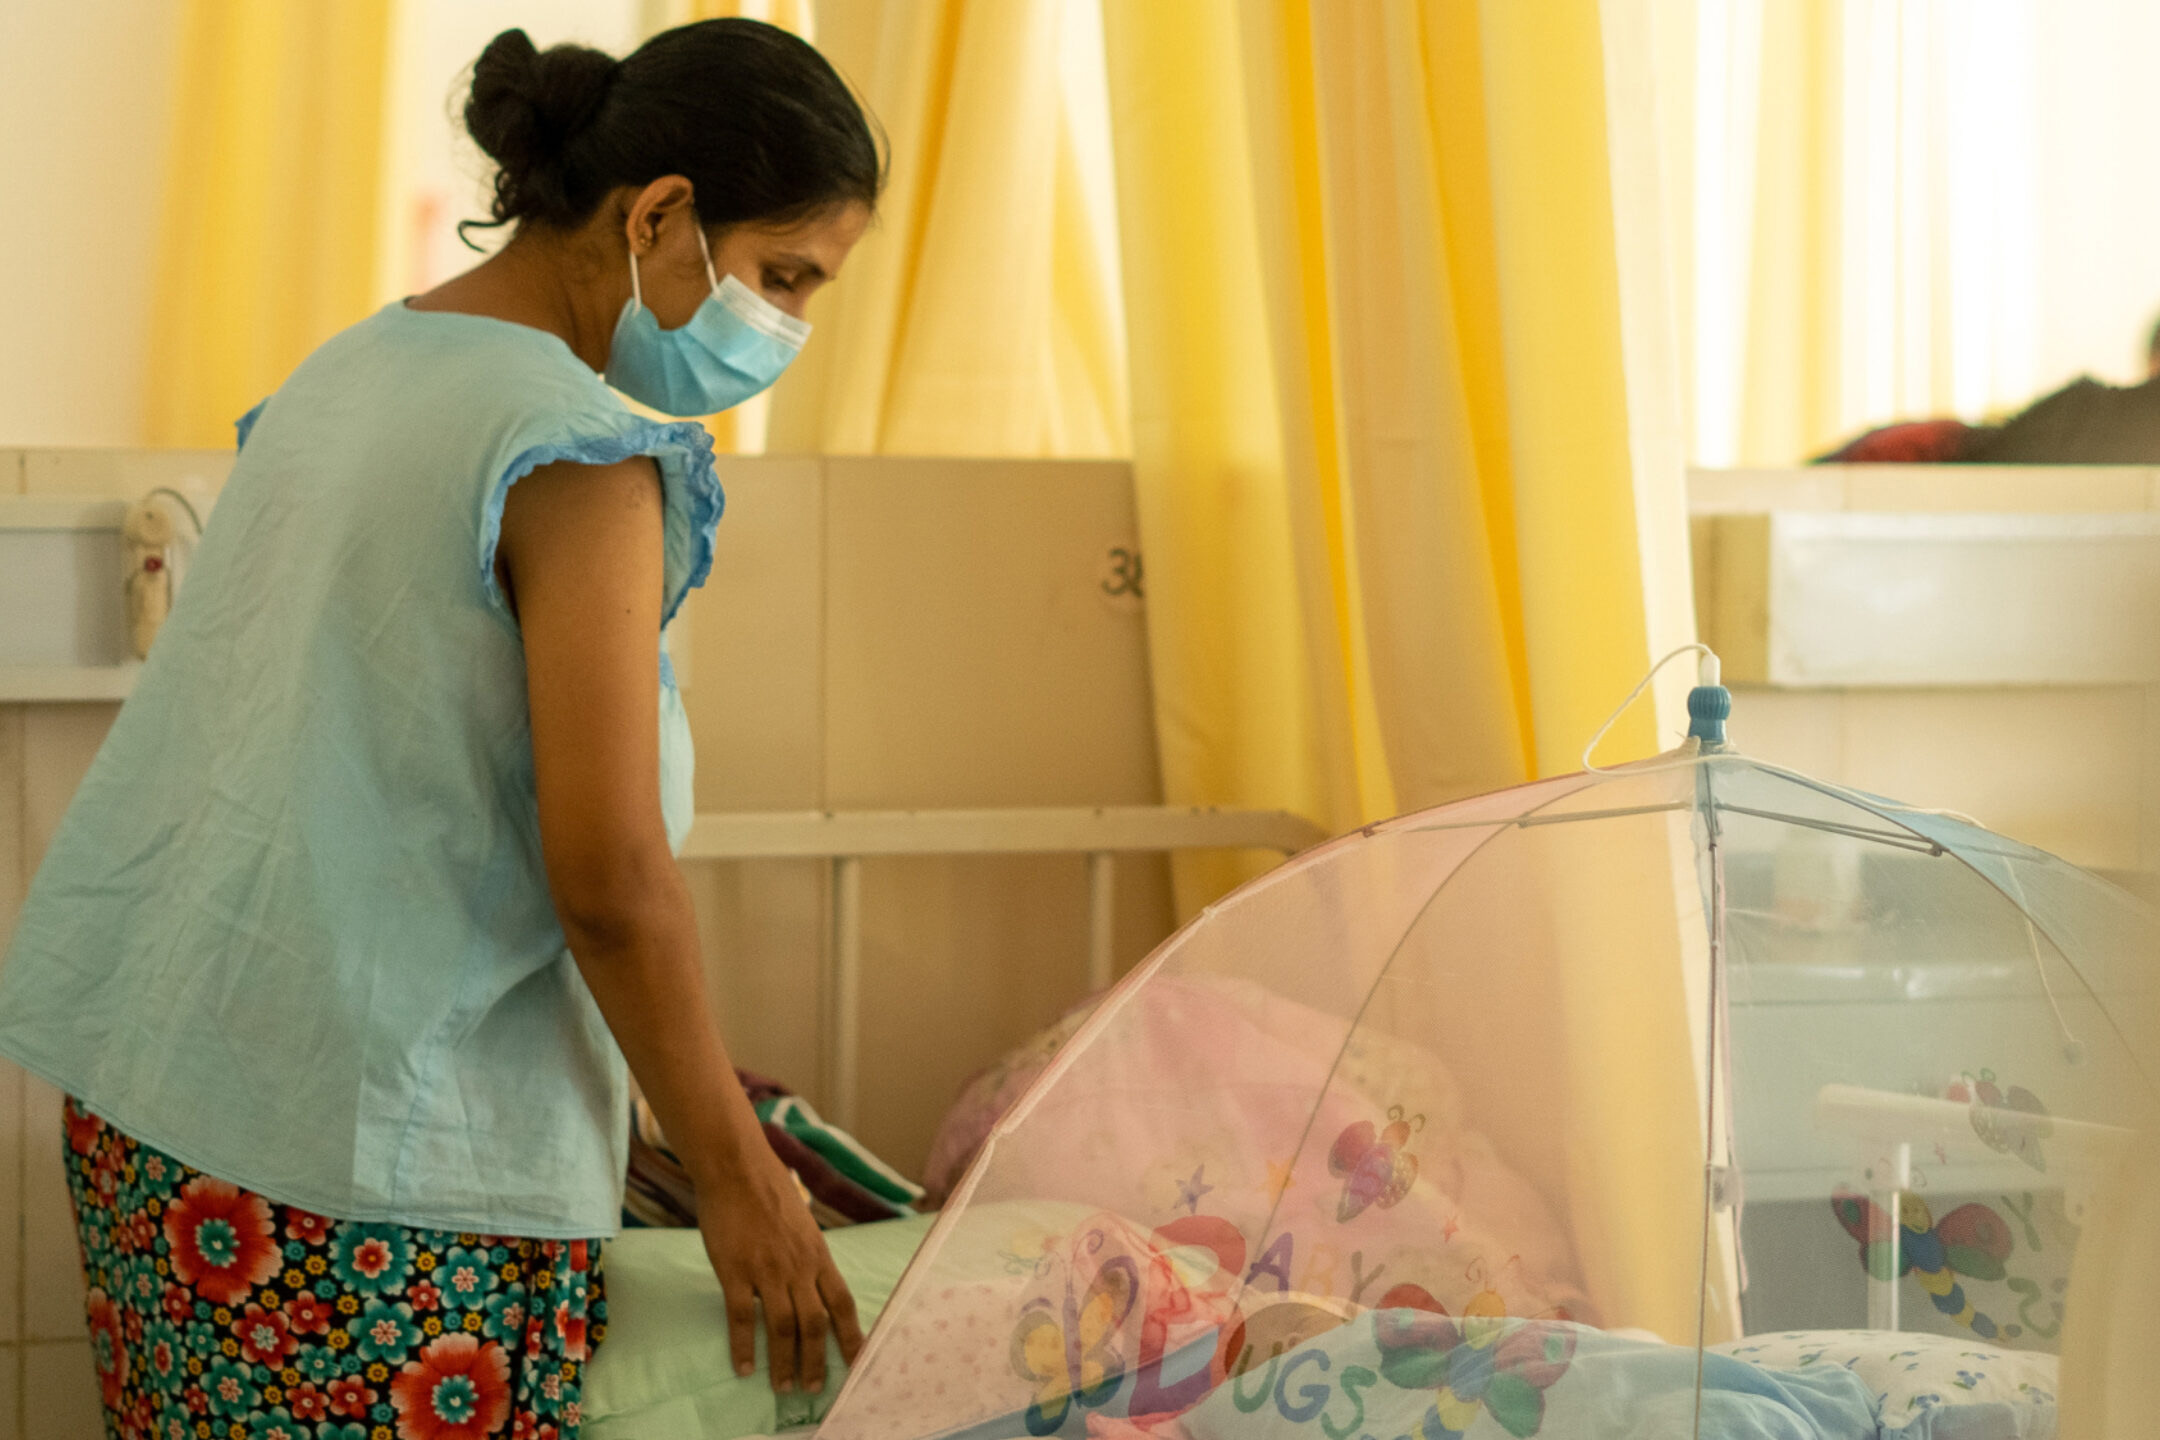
point(786, 264)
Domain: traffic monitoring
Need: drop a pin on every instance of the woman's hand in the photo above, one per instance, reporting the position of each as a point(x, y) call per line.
point(766, 1249)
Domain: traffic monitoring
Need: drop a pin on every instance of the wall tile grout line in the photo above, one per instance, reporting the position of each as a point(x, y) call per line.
point(21, 1103)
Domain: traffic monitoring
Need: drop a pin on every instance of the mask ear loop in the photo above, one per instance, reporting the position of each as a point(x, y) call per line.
point(711, 278)
point(637, 291)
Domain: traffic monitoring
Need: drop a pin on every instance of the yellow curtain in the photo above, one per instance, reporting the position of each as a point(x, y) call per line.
point(979, 318)
point(1408, 473)
point(1862, 211)
point(272, 196)
point(1392, 511)
point(799, 16)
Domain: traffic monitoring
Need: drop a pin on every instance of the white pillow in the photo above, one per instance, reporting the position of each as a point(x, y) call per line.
point(1927, 1387)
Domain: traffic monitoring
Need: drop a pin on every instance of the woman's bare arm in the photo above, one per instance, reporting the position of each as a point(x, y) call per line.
point(580, 557)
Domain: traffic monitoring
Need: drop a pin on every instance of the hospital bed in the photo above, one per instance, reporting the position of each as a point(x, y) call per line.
point(664, 1371)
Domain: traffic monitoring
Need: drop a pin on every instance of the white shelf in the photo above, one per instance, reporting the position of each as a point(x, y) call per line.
point(59, 683)
point(1842, 598)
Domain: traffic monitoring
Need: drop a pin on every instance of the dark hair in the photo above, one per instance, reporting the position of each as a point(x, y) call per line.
point(759, 122)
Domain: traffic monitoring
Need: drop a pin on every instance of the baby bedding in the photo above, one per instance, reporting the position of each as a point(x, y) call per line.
point(1304, 1365)
point(1411, 1373)
point(1927, 1387)
point(843, 1182)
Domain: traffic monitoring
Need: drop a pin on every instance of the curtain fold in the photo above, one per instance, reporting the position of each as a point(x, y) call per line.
point(274, 189)
point(1423, 565)
point(1406, 437)
point(1864, 195)
point(979, 318)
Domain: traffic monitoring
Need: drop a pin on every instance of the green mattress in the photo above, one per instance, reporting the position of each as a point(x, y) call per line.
point(663, 1371)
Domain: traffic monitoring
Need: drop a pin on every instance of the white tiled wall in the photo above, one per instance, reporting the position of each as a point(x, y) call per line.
point(48, 1390)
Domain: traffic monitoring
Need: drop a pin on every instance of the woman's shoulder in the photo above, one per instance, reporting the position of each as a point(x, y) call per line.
point(482, 351)
point(473, 372)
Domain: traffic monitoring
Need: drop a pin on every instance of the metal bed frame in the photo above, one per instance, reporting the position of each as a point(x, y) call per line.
point(844, 839)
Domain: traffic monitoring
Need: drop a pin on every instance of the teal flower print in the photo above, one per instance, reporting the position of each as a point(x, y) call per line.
point(319, 1365)
point(230, 1387)
point(341, 1432)
point(467, 1277)
point(384, 1331)
point(276, 1424)
point(506, 1316)
point(162, 1356)
point(371, 1259)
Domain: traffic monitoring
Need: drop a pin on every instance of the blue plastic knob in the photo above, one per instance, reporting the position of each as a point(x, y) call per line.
point(1708, 708)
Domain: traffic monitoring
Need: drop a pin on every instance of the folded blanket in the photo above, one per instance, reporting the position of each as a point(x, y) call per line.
point(843, 1182)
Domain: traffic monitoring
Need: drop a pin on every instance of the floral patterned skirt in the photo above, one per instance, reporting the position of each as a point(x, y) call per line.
point(215, 1312)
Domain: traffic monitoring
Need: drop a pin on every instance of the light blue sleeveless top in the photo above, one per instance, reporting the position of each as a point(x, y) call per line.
point(294, 929)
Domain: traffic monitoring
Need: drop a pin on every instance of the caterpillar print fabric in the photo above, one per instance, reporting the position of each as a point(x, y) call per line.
point(215, 1312)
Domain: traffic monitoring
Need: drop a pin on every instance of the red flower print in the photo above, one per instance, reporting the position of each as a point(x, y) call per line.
point(522, 1427)
point(578, 1259)
point(107, 1348)
point(307, 1402)
point(82, 1130)
point(458, 1389)
point(572, 1330)
point(179, 1305)
point(535, 1336)
point(423, 1295)
point(371, 1257)
point(306, 1227)
point(307, 1315)
point(220, 1238)
point(351, 1397)
point(197, 1399)
point(143, 1231)
point(264, 1335)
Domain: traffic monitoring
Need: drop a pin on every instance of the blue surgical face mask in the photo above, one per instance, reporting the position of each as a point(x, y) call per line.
point(736, 345)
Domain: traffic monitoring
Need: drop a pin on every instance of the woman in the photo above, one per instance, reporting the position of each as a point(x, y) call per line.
point(341, 948)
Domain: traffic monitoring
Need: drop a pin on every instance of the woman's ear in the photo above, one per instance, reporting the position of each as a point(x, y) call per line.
point(665, 201)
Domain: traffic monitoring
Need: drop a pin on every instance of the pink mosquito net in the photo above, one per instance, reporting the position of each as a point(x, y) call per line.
point(1489, 1120)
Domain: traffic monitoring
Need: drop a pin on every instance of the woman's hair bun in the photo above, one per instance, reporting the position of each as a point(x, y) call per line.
point(527, 108)
point(760, 124)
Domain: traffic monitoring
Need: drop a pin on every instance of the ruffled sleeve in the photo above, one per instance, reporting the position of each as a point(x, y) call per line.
point(245, 425)
point(690, 490)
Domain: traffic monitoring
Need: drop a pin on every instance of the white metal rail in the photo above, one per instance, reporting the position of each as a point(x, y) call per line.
point(844, 839)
